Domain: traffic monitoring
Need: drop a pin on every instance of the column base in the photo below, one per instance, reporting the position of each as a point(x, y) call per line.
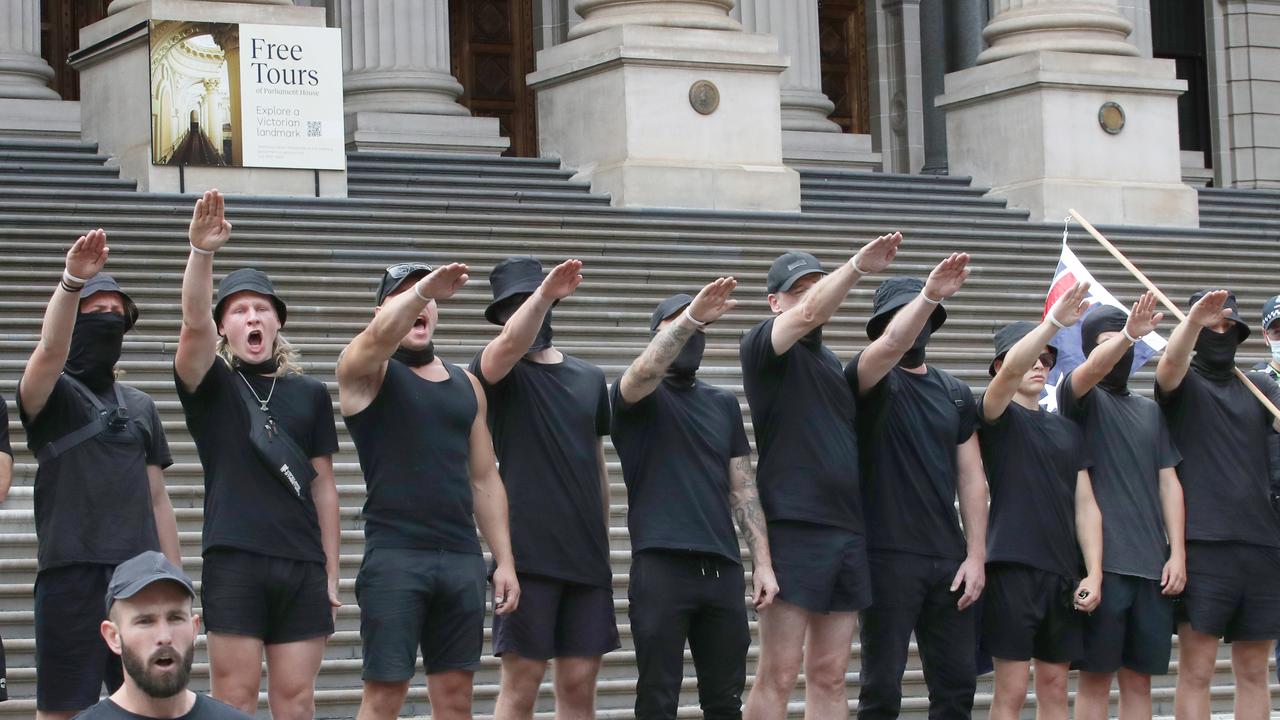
point(59, 119)
point(827, 150)
point(670, 185)
point(406, 132)
point(1104, 202)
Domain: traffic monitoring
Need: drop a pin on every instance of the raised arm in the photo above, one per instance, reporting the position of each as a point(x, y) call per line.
point(503, 352)
point(362, 364)
point(1023, 355)
point(490, 507)
point(84, 260)
point(885, 351)
point(745, 503)
point(1174, 576)
point(1089, 535)
point(821, 301)
point(971, 487)
point(1143, 319)
point(643, 376)
point(1176, 360)
point(198, 337)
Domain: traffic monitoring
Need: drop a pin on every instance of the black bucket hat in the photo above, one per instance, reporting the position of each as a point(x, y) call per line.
point(790, 267)
point(143, 569)
point(1008, 336)
point(667, 308)
point(251, 280)
point(510, 278)
point(399, 274)
point(1242, 328)
point(103, 282)
point(892, 295)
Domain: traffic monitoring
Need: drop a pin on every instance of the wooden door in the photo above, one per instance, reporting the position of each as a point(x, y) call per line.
point(60, 23)
point(491, 42)
point(842, 48)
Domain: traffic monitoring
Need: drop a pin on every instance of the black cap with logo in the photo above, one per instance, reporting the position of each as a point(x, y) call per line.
point(790, 267)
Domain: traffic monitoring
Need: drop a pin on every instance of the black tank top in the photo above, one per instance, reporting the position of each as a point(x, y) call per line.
point(414, 443)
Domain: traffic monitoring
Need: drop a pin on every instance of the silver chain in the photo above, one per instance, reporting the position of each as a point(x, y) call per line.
point(261, 403)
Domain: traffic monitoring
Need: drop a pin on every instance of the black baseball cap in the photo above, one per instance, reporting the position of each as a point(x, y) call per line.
point(103, 282)
point(667, 308)
point(1270, 311)
point(251, 280)
point(1008, 336)
point(399, 274)
point(136, 573)
point(790, 267)
point(510, 279)
point(891, 296)
point(1242, 328)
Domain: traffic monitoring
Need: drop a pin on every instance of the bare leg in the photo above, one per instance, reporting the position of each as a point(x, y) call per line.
point(235, 665)
point(518, 693)
point(826, 662)
point(450, 695)
point(1051, 691)
point(1249, 660)
point(1197, 654)
point(1093, 696)
point(575, 683)
point(382, 700)
point(782, 634)
point(1135, 695)
point(291, 678)
point(1012, 679)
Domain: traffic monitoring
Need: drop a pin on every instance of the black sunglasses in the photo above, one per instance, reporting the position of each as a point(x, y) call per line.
point(1048, 360)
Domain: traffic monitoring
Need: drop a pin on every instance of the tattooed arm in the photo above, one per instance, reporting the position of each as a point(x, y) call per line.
point(745, 502)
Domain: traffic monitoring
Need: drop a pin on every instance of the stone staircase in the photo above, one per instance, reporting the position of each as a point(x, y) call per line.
point(326, 256)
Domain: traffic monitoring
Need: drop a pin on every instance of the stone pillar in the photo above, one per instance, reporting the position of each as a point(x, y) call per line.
point(897, 106)
point(1062, 113)
point(398, 89)
point(122, 5)
point(1244, 73)
point(23, 73)
point(1138, 13)
point(933, 68)
point(965, 20)
point(600, 15)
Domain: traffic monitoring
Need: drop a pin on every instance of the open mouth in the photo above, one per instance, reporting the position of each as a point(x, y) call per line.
point(255, 340)
point(420, 324)
point(165, 659)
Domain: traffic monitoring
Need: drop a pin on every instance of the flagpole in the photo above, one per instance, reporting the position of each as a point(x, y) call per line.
point(1164, 299)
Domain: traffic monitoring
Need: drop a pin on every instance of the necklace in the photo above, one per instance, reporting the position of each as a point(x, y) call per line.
point(261, 403)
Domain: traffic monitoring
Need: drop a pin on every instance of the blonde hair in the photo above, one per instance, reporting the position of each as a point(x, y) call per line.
point(285, 354)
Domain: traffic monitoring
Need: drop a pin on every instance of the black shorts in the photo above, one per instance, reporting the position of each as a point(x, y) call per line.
point(1027, 613)
point(1233, 590)
point(820, 568)
point(72, 660)
point(1132, 627)
point(433, 600)
point(276, 600)
point(557, 619)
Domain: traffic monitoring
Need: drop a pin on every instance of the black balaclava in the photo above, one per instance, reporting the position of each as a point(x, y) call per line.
point(813, 340)
point(266, 367)
point(542, 340)
point(684, 368)
point(914, 357)
point(416, 358)
point(1215, 356)
point(1108, 319)
point(95, 348)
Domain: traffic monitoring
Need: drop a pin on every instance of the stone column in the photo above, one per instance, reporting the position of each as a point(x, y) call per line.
point(965, 21)
point(898, 105)
point(122, 5)
point(795, 24)
point(1245, 73)
point(600, 15)
point(933, 69)
point(1022, 26)
point(397, 86)
point(23, 73)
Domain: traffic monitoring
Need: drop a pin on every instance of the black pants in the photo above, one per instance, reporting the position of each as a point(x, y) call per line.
point(912, 593)
point(676, 596)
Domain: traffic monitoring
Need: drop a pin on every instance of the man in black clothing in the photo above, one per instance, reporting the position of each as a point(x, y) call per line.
point(100, 496)
point(1233, 527)
point(151, 627)
point(919, 454)
point(687, 466)
point(548, 412)
point(1138, 492)
point(419, 426)
point(803, 413)
point(1042, 518)
point(1271, 334)
point(266, 437)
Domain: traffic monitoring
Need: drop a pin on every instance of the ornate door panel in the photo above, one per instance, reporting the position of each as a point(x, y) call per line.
point(492, 46)
point(842, 43)
point(60, 23)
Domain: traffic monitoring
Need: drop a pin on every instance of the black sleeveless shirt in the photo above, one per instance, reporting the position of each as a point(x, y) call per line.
point(414, 444)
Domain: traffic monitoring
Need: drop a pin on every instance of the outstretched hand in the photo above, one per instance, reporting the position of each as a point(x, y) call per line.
point(877, 254)
point(1072, 306)
point(562, 280)
point(444, 281)
point(1143, 319)
point(947, 277)
point(713, 300)
point(1210, 309)
point(209, 229)
point(88, 254)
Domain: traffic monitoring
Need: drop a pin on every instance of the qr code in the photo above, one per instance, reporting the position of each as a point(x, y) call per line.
point(313, 128)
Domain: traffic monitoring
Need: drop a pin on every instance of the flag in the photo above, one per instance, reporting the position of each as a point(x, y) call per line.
point(1070, 349)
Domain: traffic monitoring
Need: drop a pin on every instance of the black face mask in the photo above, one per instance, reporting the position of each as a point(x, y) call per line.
point(1116, 381)
point(914, 357)
point(542, 340)
point(416, 358)
point(95, 349)
point(813, 340)
point(1215, 356)
point(266, 367)
point(685, 367)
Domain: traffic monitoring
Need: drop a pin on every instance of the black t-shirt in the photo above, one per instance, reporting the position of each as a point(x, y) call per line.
point(414, 442)
point(1222, 432)
point(547, 420)
point(206, 708)
point(802, 410)
point(675, 446)
point(5, 447)
point(1032, 459)
point(908, 428)
point(93, 502)
point(1128, 441)
point(245, 506)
